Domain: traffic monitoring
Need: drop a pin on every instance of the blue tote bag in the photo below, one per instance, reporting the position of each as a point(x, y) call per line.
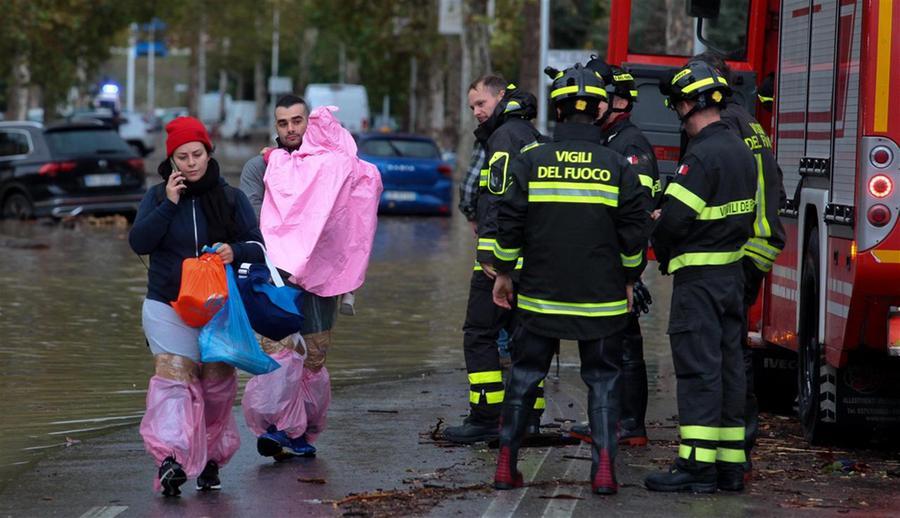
point(228, 337)
point(273, 307)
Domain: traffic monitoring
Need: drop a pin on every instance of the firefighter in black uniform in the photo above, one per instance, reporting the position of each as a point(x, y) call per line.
point(503, 135)
point(767, 239)
point(576, 213)
point(707, 216)
point(624, 137)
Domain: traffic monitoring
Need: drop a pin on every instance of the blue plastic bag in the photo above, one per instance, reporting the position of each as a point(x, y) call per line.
point(273, 307)
point(229, 338)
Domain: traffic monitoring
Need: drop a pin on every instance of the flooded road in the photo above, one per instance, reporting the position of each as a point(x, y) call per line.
point(74, 364)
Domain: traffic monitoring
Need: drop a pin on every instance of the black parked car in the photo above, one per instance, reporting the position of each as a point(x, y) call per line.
point(66, 168)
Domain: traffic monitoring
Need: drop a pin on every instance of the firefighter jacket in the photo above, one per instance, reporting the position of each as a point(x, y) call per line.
point(626, 139)
point(503, 136)
point(577, 214)
point(709, 205)
point(767, 239)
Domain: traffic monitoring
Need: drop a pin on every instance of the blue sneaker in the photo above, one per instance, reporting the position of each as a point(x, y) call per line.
point(272, 443)
point(298, 447)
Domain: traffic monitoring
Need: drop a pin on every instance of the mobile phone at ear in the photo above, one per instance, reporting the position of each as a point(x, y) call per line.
point(174, 167)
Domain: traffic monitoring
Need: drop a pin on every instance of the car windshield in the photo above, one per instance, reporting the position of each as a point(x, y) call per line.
point(86, 141)
point(396, 147)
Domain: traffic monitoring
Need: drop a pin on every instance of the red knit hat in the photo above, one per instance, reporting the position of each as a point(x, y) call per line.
point(183, 130)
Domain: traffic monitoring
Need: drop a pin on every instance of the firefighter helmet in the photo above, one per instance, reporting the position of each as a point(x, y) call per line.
point(697, 81)
point(576, 89)
point(618, 81)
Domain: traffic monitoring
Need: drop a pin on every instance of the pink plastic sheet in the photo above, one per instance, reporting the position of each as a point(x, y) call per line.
point(174, 424)
point(316, 387)
point(320, 208)
point(222, 436)
point(276, 399)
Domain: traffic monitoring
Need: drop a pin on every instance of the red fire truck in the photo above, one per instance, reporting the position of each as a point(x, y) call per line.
point(833, 298)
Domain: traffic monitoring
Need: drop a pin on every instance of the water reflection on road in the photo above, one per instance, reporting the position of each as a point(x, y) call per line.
point(73, 361)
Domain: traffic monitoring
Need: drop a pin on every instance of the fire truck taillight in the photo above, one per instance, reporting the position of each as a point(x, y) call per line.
point(880, 186)
point(881, 157)
point(879, 215)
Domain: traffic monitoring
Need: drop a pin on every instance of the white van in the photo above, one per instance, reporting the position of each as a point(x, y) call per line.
point(353, 101)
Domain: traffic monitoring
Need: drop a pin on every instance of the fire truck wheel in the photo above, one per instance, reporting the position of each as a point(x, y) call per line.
point(811, 391)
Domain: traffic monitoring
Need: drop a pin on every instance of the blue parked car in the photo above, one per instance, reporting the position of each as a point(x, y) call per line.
point(416, 180)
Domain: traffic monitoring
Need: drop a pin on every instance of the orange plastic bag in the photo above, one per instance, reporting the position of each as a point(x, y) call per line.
point(204, 289)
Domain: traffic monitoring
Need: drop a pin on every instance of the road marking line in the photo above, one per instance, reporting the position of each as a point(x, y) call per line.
point(105, 511)
point(565, 508)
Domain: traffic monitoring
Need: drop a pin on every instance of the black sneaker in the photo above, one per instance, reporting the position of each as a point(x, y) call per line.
point(171, 477)
point(209, 478)
point(472, 431)
point(678, 479)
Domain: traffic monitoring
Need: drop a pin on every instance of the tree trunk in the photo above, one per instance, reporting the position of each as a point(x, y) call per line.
point(202, 38)
point(437, 104)
point(17, 107)
point(259, 90)
point(304, 57)
point(679, 30)
point(530, 48)
point(476, 61)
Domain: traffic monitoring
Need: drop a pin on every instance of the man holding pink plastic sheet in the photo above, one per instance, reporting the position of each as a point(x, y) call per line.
point(188, 428)
point(318, 214)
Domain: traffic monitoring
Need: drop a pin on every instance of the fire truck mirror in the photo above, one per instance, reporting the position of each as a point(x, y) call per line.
point(703, 8)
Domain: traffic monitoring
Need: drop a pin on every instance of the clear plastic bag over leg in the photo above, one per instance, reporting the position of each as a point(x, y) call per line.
point(316, 389)
point(276, 398)
point(219, 390)
point(173, 424)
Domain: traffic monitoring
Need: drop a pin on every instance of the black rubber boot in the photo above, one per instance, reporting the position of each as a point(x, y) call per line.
point(751, 415)
point(515, 420)
point(601, 372)
point(730, 476)
point(472, 431)
point(698, 480)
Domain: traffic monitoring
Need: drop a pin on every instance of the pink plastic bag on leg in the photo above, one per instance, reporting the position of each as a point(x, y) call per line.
point(316, 389)
point(222, 436)
point(276, 399)
point(173, 424)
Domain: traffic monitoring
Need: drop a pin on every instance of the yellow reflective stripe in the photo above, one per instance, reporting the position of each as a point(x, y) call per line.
point(573, 192)
point(632, 261)
point(704, 259)
point(505, 254)
point(731, 455)
point(540, 403)
point(498, 156)
point(700, 454)
point(734, 208)
point(652, 185)
point(764, 99)
point(762, 248)
point(564, 90)
point(681, 74)
point(634, 93)
point(703, 82)
point(478, 267)
point(623, 77)
point(581, 309)
point(492, 398)
point(761, 225)
point(595, 90)
point(684, 195)
point(478, 378)
point(761, 264)
point(541, 384)
point(529, 146)
point(700, 433)
point(486, 243)
point(731, 433)
point(482, 179)
point(512, 106)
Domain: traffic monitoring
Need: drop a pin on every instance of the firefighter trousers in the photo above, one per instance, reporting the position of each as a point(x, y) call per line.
point(705, 335)
point(482, 326)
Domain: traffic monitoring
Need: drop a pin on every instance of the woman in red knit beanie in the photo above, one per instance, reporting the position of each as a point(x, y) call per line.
point(188, 427)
